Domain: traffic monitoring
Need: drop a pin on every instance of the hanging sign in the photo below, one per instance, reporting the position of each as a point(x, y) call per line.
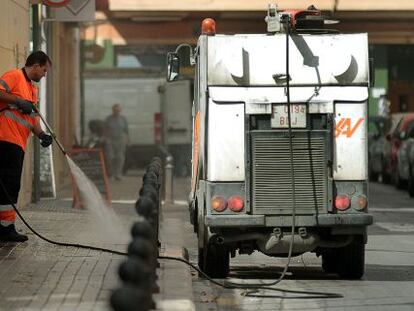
point(75, 11)
point(56, 3)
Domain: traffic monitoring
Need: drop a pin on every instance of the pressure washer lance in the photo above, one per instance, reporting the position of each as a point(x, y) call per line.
point(49, 128)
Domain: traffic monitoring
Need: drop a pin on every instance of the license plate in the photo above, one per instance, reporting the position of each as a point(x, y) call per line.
point(279, 117)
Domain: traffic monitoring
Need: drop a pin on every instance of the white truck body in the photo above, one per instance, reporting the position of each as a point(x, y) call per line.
point(241, 147)
point(265, 57)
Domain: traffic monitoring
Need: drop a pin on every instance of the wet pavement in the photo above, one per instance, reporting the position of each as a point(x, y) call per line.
point(40, 276)
point(37, 275)
point(388, 283)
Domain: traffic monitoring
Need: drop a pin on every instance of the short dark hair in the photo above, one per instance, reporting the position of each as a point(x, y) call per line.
point(38, 57)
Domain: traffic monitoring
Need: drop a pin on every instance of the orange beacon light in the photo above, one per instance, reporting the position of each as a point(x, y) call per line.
point(208, 27)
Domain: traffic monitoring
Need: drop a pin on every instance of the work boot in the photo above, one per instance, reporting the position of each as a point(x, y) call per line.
point(9, 234)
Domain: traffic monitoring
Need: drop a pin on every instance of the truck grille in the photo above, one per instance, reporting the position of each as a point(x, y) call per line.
point(271, 185)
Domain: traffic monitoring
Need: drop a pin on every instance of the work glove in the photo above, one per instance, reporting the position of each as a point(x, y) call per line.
point(24, 106)
point(45, 139)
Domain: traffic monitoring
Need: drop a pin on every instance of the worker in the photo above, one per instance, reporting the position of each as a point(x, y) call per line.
point(116, 139)
point(18, 95)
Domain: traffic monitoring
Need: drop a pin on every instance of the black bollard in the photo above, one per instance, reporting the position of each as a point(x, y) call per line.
point(130, 298)
point(156, 159)
point(150, 175)
point(143, 229)
point(145, 207)
point(148, 209)
point(145, 250)
point(154, 168)
point(149, 191)
point(136, 272)
point(152, 182)
point(156, 162)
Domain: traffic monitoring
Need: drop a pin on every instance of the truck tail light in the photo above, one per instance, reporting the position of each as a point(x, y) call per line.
point(342, 202)
point(235, 203)
point(362, 202)
point(218, 204)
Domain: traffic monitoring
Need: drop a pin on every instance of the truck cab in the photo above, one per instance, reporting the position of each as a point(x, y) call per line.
point(260, 182)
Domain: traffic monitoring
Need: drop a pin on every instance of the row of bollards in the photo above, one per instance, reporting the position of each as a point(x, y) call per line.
point(138, 272)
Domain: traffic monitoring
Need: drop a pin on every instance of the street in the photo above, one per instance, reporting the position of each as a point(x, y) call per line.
point(122, 119)
point(388, 283)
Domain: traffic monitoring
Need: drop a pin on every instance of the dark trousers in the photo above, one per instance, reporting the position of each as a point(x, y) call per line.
point(11, 164)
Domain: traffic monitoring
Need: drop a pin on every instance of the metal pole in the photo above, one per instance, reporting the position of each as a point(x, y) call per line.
point(82, 83)
point(36, 25)
point(168, 177)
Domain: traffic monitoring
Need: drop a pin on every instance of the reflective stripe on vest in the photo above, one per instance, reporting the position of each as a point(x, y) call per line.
point(5, 85)
point(19, 120)
point(5, 208)
point(7, 217)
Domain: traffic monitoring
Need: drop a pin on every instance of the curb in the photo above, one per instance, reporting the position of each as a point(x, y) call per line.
point(174, 278)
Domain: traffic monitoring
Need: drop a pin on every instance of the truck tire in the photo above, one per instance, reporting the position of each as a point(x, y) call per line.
point(329, 262)
point(214, 260)
point(351, 259)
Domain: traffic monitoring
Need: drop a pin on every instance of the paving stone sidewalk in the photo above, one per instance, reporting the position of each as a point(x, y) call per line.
point(37, 275)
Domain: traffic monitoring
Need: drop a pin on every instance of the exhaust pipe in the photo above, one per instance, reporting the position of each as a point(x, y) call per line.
point(219, 239)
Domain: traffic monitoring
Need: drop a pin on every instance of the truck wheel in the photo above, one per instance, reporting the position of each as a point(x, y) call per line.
point(214, 260)
point(329, 262)
point(351, 259)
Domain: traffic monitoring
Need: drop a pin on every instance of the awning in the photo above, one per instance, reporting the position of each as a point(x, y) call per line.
point(256, 5)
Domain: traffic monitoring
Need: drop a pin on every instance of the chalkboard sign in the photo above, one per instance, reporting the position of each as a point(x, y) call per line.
point(92, 163)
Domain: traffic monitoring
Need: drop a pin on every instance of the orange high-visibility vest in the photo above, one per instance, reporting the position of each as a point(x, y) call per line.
point(15, 127)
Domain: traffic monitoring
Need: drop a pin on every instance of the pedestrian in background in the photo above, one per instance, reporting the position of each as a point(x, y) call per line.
point(116, 140)
point(18, 96)
point(384, 105)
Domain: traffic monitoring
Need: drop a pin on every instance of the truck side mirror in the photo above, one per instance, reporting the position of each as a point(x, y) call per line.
point(173, 66)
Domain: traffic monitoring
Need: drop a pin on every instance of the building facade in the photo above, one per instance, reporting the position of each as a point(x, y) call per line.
point(128, 27)
point(14, 48)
